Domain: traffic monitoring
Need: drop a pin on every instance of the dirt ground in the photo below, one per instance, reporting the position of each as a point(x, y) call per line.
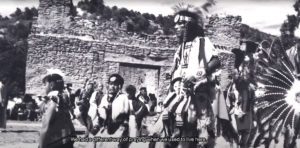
point(25, 134)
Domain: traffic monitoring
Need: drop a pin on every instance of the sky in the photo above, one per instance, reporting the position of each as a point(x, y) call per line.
point(265, 15)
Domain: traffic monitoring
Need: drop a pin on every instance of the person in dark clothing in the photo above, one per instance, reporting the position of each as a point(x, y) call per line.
point(153, 99)
point(246, 85)
point(30, 108)
point(143, 97)
point(139, 109)
point(57, 127)
point(71, 96)
point(84, 106)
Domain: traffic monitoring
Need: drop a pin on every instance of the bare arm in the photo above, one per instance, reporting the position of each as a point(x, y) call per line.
point(176, 61)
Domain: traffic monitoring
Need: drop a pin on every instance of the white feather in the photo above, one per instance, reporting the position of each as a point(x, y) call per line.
point(55, 71)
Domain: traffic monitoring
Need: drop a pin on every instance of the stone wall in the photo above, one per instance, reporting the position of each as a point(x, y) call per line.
point(55, 14)
point(95, 49)
point(105, 30)
point(224, 31)
point(80, 59)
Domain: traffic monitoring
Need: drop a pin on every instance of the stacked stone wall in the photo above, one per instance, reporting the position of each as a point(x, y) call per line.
point(81, 59)
point(108, 30)
point(224, 31)
point(94, 49)
point(55, 15)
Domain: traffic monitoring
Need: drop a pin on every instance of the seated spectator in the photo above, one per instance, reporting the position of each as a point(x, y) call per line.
point(30, 108)
point(10, 107)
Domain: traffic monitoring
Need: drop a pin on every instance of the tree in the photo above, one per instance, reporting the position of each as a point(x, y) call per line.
point(92, 6)
point(289, 26)
point(107, 13)
point(159, 19)
point(17, 14)
point(149, 16)
point(99, 5)
point(34, 11)
point(142, 23)
point(4, 45)
point(13, 47)
point(130, 26)
point(136, 22)
point(168, 24)
point(124, 12)
point(84, 5)
point(28, 14)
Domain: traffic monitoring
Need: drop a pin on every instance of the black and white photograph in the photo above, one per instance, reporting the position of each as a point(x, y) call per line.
point(149, 74)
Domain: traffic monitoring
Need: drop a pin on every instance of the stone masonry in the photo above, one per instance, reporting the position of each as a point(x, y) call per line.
point(95, 49)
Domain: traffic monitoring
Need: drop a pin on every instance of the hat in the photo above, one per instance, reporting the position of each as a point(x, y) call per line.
point(53, 75)
point(130, 89)
point(251, 46)
point(116, 79)
point(186, 12)
point(69, 85)
point(143, 88)
point(175, 80)
point(189, 81)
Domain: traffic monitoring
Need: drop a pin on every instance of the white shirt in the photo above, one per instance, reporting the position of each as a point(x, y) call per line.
point(195, 66)
point(120, 105)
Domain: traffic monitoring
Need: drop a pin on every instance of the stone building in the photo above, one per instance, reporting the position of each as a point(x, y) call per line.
point(94, 49)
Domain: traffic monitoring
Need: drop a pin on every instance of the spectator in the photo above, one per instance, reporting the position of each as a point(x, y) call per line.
point(138, 108)
point(84, 106)
point(71, 97)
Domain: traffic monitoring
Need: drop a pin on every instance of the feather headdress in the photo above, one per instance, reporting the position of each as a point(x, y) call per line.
point(277, 99)
point(198, 13)
point(55, 71)
point(53, 75)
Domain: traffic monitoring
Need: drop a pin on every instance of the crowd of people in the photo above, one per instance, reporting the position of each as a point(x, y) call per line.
point(103, 114)
point(22, 107)
point(196, 105)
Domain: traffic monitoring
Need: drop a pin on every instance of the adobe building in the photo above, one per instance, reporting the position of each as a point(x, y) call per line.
point(94, 49)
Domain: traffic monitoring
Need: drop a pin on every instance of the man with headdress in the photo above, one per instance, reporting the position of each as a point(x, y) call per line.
point(245, 84)
point(196, 58)
point(57, 127)
point(196, 54)
point(113, 111)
